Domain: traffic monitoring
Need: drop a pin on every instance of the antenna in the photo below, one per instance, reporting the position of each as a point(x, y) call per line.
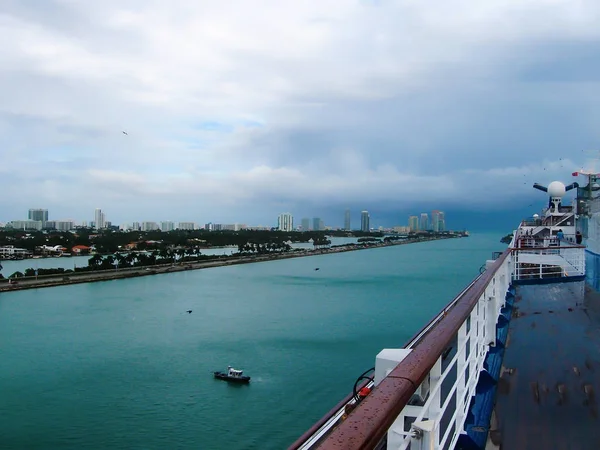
point(592, 163)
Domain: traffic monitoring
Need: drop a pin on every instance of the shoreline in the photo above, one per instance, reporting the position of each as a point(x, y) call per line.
point(134, 272)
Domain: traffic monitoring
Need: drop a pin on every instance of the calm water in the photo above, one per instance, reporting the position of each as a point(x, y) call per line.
point(120, 364)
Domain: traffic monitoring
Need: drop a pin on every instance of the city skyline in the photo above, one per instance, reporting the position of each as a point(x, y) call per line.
point(284, 221)
point(274, 110)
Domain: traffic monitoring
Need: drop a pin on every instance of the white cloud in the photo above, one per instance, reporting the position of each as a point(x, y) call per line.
point(318, 102)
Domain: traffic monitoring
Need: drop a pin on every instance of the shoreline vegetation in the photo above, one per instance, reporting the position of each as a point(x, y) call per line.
point(108, 267)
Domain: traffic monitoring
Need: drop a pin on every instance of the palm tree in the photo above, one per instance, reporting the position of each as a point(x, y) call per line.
point(130, 258)
point(152, 258)
point(121, 260)
point(164, 253)
point(95, 260)
point(142, 259)
point(108, 262)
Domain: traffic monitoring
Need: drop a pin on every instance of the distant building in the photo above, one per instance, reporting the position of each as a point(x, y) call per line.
point(285, 222)
point(318, 224)
point(305, 224)
point(413, 223)
point(435, 220)
point(186, 226)
point(80, 250)
point(60, 225)
point(167, 226)
point(99, 219)
point(25, 224)
point(347, 220)
point(441, 221)
point(11, 250)
point(233, 226)
point(438, 222)
point(150, 226)
point(40, 215)
point(424, 222)
point(401, 230)
point(135, 226)
point(365, 220)
point(214, 226)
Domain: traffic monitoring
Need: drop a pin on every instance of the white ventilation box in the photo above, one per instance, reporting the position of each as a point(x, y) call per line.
point(387, 360)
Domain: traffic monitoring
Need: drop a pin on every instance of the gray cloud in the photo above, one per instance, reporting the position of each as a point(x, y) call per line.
point(236, 113)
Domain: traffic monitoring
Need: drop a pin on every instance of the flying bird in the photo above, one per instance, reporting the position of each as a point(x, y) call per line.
point(189, 311)
point(125, 133)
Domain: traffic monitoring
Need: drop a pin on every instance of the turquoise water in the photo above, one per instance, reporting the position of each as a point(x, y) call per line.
point(119, 364)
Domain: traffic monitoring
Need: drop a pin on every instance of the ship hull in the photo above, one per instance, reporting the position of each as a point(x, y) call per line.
point(223, 376)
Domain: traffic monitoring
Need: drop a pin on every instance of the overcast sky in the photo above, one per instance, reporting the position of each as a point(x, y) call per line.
point(237, 111)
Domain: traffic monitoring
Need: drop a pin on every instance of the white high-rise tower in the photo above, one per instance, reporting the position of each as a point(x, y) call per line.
point(99, 219)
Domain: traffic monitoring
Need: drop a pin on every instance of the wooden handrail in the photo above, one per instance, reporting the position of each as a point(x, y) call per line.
point(368, 424)
point(417, 337)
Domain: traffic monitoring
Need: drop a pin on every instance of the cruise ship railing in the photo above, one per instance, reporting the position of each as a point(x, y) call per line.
point(548, 262)
point(422, 402)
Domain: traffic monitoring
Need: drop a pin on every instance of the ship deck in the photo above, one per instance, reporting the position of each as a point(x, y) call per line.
point(551, 370)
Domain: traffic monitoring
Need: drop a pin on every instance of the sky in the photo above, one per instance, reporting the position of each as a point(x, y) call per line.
point(236, 111)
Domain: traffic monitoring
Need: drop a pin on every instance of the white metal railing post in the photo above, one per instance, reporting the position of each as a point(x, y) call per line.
point(490, 320)
point(422, 438)
point(461, 364)
point(474, 338)
point(435, 407)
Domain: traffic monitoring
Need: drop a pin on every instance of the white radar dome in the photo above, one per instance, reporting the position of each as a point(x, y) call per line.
point(556, 189)
point(535, 216)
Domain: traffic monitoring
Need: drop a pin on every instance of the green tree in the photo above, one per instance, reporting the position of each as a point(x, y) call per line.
point(95, 260)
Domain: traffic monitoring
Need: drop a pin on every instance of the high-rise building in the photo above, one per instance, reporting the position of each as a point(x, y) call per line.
point(438, 222)
point(60, 225)
point(424, 222)
point(167, 226)
point(318, 224)
point(186, 226)
point(347, 220)
point(305, 224)
point(99, 220)
point(441, 221)
point(40, 215)
point(364, 221)
point(413, 223)
point(150, 226)
point(285, 222)
point(25, 224)
point(233, 226)
point(435, 220)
